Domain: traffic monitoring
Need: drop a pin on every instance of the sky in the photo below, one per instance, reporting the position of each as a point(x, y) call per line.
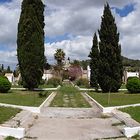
point(70, 25)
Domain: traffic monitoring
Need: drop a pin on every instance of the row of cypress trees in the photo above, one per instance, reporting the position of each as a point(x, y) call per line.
point(106, 61)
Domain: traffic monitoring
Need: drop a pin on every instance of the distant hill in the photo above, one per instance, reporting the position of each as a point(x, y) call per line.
point(126, 63)
point(131, 62)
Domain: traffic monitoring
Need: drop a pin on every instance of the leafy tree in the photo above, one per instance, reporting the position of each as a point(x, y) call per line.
point(110, 68)
point(30, 42)
point(2, 67)
point(94, 55)
point(59, 56)
point(8, 69)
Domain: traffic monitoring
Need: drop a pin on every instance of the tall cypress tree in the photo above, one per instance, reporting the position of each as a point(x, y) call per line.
point(30, 42)
point(110, 67)
point(94, 55)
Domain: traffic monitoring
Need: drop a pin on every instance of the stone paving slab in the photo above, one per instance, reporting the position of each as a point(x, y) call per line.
point(56, 112)
point(122, 116)
point(72, 129)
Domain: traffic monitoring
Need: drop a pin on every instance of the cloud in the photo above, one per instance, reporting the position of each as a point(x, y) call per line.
point(9, 15)
point(80, 19)
point(129, 28)
point(8, 58)
point(77, 48)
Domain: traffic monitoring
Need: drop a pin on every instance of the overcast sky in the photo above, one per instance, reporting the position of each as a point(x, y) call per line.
point(70, 25)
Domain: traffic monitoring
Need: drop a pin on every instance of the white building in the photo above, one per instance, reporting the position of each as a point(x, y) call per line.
point(129, 74)
point(47, 75)
point(10, 77)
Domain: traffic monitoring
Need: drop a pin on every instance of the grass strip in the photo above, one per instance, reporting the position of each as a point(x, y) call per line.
point(116, 99)
point(7, 113)
point(69, 96)
point(23, 98)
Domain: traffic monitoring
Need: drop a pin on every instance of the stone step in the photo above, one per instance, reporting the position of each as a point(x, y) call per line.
point(126, 118)
point(56, 112)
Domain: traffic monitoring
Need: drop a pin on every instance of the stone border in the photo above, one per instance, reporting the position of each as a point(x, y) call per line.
point(15, 132)
point(131, 131)
point(92, 89)
point(39, 89)
point(128, 131)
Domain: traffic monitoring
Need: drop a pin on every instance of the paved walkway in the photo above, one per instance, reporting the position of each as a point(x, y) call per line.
point(72, 129)
point(73, 124)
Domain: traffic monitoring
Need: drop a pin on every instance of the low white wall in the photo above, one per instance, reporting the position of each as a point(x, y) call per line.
point(38, 89)
point(47, 101)
point(15, 132)
point(99, 105)
point(32, 109)
point(131, 131)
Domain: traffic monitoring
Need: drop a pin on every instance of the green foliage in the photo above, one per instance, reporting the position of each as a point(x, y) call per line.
point(5, 85)
point(82, 82)
point(110, 65)
point(133, 85)
point(94, 62)
point(55, 81)
point(42, 82)
point(59, 56)
point(8, 70)
point(30, 42)
point(10, 138)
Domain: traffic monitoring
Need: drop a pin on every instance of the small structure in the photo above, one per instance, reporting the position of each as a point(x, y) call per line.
point(10, 77)
point(47, 75)
point(128, 74)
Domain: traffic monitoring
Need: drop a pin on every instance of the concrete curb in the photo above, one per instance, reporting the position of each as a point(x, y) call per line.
point(15, 132)
point(128, 131)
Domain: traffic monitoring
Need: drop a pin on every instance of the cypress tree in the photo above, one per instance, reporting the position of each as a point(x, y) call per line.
point(110, 68)
point(30, 43)
point(94, 55)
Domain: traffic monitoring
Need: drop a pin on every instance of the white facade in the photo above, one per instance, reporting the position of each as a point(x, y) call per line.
point(10, 77)
point(132, 74)
point(47, 75)
point(88, 72)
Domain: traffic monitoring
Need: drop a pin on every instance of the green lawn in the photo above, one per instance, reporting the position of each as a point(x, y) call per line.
point(46, 86)
point(25, 98)
point(17, 86)
point(116, 99)
point(6, 113)
point(69, 96)
point(40, 86)
point(133, 111)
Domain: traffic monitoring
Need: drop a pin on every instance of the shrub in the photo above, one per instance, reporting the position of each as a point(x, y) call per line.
point(82, 82)
point(133, 85)
point(10, 138)
point(5, 85)
point(55, 81)
point(42, 82)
